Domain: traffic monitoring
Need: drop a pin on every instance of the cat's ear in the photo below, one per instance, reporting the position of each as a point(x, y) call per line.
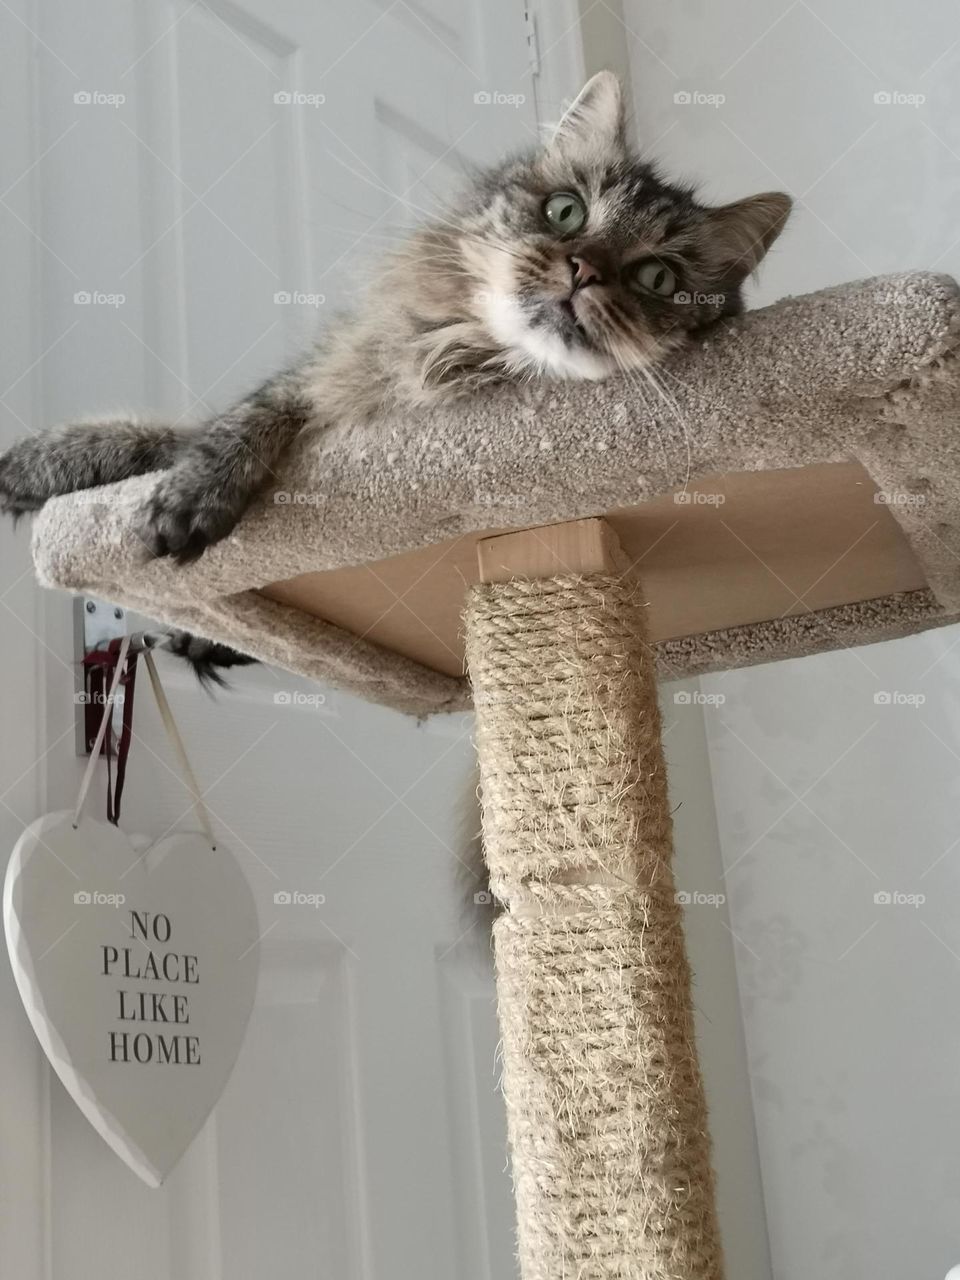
point(594, 125)
point(740, 234)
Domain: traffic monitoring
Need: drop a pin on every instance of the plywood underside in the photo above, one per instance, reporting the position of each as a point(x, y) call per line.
point(726, 552)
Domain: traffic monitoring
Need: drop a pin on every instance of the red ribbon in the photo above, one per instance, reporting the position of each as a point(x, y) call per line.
point(99, 666)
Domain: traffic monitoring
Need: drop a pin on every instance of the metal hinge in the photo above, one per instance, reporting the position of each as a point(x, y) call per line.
point(95, 623)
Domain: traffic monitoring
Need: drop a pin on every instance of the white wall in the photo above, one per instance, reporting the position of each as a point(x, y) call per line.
point(825, 798)
point(716, 1000)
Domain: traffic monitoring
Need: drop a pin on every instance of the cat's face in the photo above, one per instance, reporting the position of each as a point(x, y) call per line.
point(580, 261)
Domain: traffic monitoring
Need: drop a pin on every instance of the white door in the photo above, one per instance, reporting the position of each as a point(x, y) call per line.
point(200, 164)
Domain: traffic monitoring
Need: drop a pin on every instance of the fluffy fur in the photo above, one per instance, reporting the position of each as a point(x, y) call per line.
point(492, 290)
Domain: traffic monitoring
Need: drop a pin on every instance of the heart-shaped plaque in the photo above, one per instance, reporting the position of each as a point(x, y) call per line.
point(138, 973)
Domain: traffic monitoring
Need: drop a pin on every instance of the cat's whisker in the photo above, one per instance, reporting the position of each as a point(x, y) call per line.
point(384, 233)
point(434, 216)
point(663, 372)
point(413, 248)
point(632, 376)
point(377, 186)
point(650, 375)
point(648, 371)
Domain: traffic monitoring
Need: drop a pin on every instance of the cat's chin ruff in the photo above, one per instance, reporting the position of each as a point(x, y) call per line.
point(529, 350)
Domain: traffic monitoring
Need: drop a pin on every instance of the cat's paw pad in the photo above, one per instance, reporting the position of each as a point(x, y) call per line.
point(184, 515)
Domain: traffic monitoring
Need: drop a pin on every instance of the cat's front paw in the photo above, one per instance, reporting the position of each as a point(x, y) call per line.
point(187, 513)
point(25, 477)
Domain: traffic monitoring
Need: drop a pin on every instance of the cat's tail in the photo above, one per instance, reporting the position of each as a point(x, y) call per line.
point(208, 658)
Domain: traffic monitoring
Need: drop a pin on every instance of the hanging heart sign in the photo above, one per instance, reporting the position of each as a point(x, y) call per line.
point(138, 973)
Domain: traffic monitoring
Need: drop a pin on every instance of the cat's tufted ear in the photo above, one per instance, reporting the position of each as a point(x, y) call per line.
point(738, 235)
point(593, 126)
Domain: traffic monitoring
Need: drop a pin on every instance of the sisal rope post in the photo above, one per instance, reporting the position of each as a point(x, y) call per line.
point(605, 1106)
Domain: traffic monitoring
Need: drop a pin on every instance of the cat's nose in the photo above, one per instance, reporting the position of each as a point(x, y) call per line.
point(584, 273)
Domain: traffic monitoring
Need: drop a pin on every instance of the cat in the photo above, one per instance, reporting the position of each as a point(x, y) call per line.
point(575, 260)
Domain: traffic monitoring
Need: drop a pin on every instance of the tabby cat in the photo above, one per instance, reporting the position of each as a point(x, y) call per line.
point(575, 260)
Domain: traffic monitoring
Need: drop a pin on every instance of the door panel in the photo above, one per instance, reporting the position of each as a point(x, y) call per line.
point(361, 1134)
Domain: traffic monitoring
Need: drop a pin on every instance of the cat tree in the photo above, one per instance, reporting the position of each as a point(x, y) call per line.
point(797, 490)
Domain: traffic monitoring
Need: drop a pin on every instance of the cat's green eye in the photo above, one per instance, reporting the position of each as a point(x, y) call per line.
point(565, 212)
point(654, 277)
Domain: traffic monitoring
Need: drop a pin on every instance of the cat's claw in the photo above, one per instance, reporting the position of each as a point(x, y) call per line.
point(182, 517)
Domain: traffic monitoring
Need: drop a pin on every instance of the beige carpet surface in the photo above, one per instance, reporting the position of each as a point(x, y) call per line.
point(864, 371)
